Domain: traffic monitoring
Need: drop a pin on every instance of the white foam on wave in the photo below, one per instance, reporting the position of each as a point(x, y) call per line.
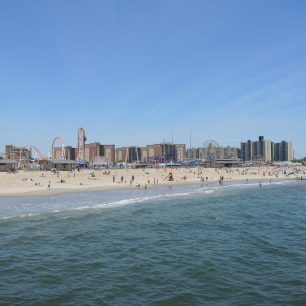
point(125, 202)
point(209, 191)
point(252, 184)
point(20, 216)
point(178, 194)
point(118, 203)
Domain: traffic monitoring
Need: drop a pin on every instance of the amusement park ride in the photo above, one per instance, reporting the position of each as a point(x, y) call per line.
point(63, 153)
point(213, 149)
point(23, 163)
point(80, 153)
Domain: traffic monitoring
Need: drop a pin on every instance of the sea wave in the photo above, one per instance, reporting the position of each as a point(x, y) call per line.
point(56, 205)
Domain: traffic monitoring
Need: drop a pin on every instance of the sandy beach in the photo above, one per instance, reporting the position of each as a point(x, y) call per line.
point(31, 183)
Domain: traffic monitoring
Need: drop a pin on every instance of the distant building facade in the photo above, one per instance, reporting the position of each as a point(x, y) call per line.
point(128, 154)
point(208, 153)
point(193, 153)
point(230, 152)
point(144, 154)
point(155, 153)
point(121, 154)
point(18, 153)
point(70, 153)
point(165, 152)
point(109, 153)
point(180, 152)
point(92, 151)
point(95, 151)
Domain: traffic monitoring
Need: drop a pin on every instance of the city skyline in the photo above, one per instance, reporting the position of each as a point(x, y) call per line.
point(228, 71)
point(259, 150)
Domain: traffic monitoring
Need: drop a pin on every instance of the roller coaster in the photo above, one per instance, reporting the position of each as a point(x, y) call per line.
point(61, 142)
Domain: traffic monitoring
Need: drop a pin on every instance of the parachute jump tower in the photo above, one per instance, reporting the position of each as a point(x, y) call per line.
point(81, 144)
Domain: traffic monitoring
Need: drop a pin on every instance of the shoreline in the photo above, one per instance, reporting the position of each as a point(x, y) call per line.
point(43, 183)
point(89, 189)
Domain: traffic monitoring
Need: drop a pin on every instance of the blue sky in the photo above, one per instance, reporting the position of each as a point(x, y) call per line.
point(226, 70)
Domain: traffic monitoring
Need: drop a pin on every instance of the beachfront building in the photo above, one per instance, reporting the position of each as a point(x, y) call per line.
point(283, 151)
point(8, 165)
point(221, 163)
point(18, 153)
point(260, 150)
point(60, 165)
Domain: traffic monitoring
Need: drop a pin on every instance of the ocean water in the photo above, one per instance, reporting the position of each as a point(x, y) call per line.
point(236, 244)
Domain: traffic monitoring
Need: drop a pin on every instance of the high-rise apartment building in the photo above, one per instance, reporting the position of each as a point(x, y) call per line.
point(266, 150)
point(260, 150)
point(246, 150)
point(283, 151)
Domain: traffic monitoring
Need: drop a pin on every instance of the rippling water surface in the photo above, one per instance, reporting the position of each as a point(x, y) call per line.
point(188, 245)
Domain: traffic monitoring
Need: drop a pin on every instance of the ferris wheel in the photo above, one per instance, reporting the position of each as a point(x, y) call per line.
point(212, 148)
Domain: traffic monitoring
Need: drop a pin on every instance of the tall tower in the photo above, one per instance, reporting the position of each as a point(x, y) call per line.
point(81, 144)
